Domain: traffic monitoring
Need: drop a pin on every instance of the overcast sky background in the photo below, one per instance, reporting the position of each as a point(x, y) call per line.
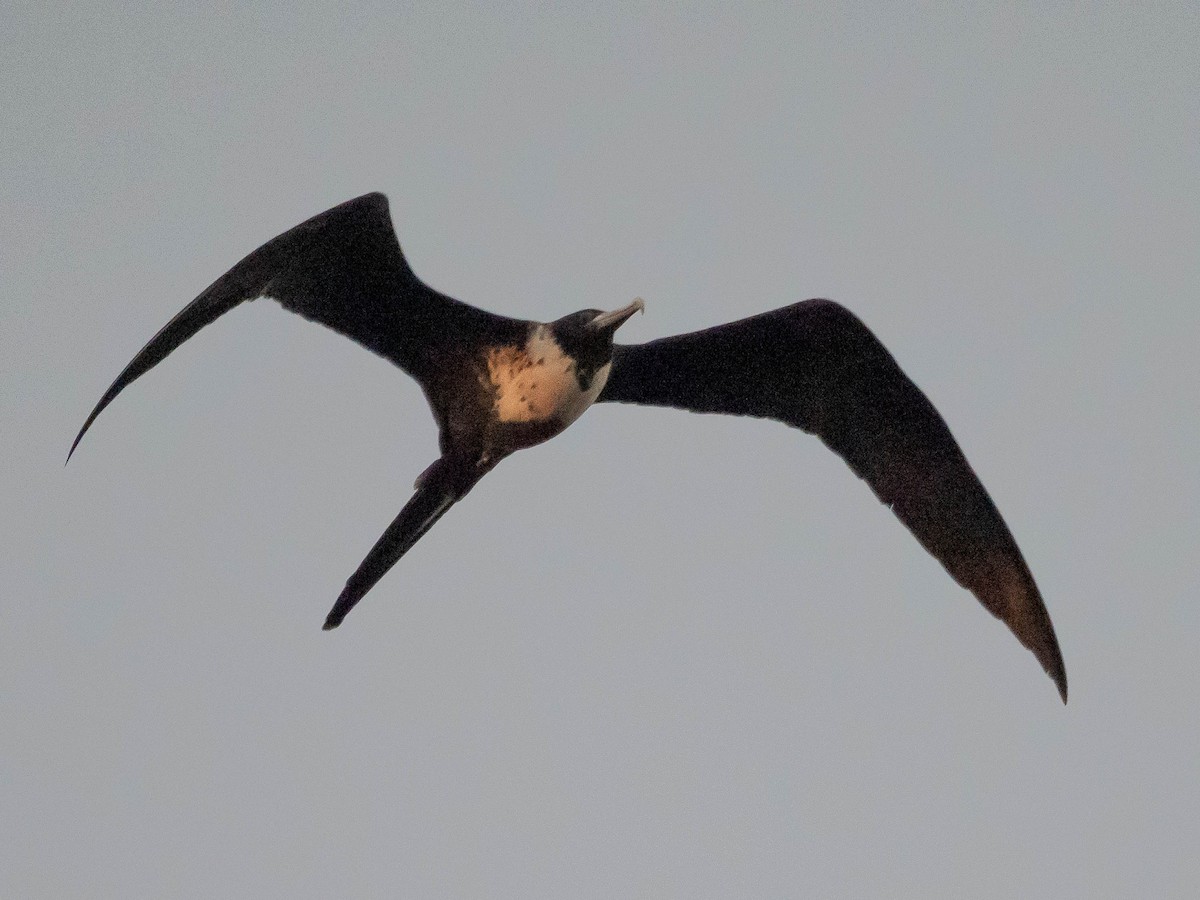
point(664, 655)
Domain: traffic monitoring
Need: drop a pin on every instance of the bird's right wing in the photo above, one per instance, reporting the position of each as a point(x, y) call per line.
point(343, 269)
point(815, 366)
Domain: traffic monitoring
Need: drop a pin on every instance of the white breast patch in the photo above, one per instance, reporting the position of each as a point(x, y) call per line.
point(537, 383)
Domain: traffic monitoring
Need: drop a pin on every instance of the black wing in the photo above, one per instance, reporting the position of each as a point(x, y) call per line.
point(815, 366)
point(343, 269)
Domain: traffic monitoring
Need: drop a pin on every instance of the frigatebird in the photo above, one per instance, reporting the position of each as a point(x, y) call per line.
point(496, 385)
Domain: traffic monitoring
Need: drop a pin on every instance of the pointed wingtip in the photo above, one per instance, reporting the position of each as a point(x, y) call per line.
point(1047, 651)
point(1003, 584)
point(1045, 647)
point(114, 389)
point(1061, 680)
point(331, 623)
point(74, 444)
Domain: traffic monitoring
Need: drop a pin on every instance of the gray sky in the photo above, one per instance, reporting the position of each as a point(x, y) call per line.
point(663, 655)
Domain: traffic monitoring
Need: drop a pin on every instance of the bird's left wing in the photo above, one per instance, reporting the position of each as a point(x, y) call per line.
point(343, 269)
point(815, 366)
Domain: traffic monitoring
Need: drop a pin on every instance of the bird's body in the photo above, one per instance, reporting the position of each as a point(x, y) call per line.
point(496, 385)
point(528, 392)
point(540, 382)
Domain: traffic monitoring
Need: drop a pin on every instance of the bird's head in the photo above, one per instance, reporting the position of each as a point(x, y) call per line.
point(587, 335)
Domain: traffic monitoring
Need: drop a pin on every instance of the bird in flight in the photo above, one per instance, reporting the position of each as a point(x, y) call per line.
point(496, 385)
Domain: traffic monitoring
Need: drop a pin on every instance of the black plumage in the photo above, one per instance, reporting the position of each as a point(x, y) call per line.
point(494, 386)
